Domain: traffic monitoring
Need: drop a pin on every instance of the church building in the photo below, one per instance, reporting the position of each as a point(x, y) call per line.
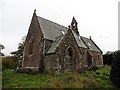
point(51, 47)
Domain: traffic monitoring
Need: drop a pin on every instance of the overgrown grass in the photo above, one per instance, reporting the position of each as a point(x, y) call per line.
point(87, 79)
point(11, 79)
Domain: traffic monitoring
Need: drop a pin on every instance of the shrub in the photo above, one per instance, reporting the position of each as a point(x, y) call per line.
point(108, 59)
point(94, 68)
point(8, 62)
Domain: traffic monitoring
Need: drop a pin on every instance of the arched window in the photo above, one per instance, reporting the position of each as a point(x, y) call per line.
point(89, 58)
point(30, 45)
point(69, 54)
point(94, 62)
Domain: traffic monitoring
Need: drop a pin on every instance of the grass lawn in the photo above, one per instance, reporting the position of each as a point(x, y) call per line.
point(87, 79)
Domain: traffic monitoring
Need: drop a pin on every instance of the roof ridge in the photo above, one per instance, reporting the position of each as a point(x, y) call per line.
point(79, 42)
point(92, 45)
point(52, 22)
point(84, 37)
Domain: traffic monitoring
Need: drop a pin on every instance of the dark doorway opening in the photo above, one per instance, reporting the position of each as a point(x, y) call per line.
point(89, 58)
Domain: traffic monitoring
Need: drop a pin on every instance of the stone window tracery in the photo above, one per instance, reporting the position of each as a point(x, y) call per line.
point(30, 45)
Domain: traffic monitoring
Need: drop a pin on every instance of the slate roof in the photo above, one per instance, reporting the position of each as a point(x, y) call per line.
point(90, 44)
point(55, 44)
point(78, 40)
point(52, 30)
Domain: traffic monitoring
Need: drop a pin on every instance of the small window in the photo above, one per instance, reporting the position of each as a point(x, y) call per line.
point(30, 48)
point(74, 25)
point(30, 45)
point(98, 57)
point(81, 51)
point(62, 32)
point(94, 62)
point(79, 38)
point(89, 44)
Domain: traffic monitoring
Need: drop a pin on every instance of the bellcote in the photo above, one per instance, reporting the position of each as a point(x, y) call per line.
point(74, 26)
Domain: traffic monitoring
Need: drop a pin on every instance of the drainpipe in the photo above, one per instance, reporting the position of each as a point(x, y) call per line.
point(44, 46)
point(43, 59)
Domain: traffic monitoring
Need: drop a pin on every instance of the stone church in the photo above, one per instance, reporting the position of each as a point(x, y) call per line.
point(51, 47)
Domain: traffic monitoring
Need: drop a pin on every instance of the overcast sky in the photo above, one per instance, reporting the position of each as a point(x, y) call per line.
point(96, 18)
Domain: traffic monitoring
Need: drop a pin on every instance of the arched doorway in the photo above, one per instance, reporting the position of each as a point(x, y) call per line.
point(69, 59)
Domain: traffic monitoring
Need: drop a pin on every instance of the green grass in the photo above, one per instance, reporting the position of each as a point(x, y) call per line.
point(87, 79)
point(11, 79)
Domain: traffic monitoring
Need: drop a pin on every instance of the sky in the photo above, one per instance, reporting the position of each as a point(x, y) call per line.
point(96, 18)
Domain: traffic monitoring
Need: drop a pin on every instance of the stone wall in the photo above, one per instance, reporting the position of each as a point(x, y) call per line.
point(32, 45)
point(97, 57)
point(69, 42)
point(52, 63)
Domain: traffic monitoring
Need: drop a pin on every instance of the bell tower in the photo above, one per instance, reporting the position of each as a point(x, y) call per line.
point(74, 26)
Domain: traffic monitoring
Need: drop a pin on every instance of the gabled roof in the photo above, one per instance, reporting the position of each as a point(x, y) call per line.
point(50, 29)
point(55, 44)
point(58, 40)
point(78, 40)
point(90, 44)
point(53, 31)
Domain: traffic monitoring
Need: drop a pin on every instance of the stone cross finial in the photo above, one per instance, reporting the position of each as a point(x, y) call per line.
point(90, 37)
point(69, 26)
point(35, 11)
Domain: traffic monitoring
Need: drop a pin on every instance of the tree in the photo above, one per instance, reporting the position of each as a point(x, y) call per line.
point(9, 63)
point(115, 69)
point(1, 48)
point(18, 55)
point(108, 58)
